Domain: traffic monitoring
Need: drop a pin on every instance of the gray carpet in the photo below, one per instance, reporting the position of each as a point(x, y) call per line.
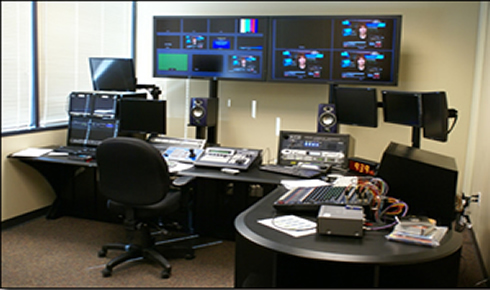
point(63, 253)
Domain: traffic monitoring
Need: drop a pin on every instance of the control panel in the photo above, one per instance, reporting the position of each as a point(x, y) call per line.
point(225, 157)
point(180, 154)
point(314, 148)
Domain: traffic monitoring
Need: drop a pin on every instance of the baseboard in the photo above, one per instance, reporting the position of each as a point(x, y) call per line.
point(24, 218)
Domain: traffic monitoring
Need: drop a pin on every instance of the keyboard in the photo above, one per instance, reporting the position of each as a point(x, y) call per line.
point(290, 170)
point(77, 150)
point(311, 198)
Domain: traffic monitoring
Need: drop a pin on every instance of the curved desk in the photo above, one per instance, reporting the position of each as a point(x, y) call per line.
point(268, 258)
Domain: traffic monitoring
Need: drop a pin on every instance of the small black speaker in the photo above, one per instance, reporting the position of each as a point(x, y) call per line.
point(327, 120)
point(203, 112)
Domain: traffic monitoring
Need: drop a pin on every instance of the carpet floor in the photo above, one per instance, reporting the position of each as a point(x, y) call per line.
point(62, 253)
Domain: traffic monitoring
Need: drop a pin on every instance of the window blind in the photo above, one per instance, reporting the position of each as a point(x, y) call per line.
point(17, 64)
point(70, 33)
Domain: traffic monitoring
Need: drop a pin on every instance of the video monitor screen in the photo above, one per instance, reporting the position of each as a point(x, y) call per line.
point(101, 129)
point(143, 116)
point(435, 116)
point(335, 49)
point(112, 74)
point(104, 105)
point(80, 104)
point(78, 128)
point(403, 108)
point(356, 106)
point(90, 131)
point(208, 47)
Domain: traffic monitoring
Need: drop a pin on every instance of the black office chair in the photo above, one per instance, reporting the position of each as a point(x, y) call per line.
point(134, 177)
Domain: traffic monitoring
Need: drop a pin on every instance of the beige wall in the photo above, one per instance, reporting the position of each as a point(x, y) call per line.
point(476, 175)
point(23, 188)
point(438, 52)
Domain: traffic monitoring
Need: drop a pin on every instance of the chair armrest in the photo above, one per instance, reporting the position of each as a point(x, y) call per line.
point(182, 180)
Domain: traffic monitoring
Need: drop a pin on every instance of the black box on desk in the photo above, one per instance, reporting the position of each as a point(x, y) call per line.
point(426, 181)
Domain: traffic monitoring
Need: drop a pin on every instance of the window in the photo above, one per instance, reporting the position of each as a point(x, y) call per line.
point(68, 33)
point(17, 63)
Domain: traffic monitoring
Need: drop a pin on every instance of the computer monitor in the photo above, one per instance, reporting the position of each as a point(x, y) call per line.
point(104, 105)
point(403, 108)
point(435, 116)
point(90, 131)
point(360, 49)
point(143, 116)
point(101, 129)
point(112, 74)
point(80, 104)
point(213, 47)
point(356, 106)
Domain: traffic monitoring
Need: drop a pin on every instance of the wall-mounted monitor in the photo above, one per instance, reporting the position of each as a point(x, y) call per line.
point(403, 108)
point(224, 47)
point(335, 49)
point(435, 116)
point(112, 74)
point(356, 106)
point(142, 116)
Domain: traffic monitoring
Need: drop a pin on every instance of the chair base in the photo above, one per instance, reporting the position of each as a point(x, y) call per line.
point(149, 253)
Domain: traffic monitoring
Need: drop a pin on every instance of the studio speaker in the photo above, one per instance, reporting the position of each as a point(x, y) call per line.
point(203, 112)
point(426, 181)
point(327, 120)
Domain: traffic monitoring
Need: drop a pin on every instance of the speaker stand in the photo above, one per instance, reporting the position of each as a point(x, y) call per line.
point(212, 130)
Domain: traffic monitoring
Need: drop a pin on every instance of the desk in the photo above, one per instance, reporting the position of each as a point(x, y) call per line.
point(268, 258)
point(217, 197)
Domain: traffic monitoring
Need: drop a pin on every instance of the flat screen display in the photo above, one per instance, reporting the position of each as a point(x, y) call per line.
point(356, 106)
point(226, 47)
point(143, 116)
point(90, 131)
point(104, 105)
point(80, 104)
point(335, 49)
point(403, 108)
point(435, 116)
point(112, 74)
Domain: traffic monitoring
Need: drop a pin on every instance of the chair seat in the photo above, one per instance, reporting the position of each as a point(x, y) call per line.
point(167, 205)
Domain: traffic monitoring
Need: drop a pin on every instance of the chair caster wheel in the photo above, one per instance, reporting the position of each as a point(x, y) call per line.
point(106, 272)
point(165, 274)
point(102, 253)
point(189, 256)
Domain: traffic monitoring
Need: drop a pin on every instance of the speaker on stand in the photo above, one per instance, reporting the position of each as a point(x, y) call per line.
point(327, 119)
point(203, 114)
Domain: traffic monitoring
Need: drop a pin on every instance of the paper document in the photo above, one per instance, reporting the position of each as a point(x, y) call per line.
point(290, 184)
point(32, 152)
point(175, 166)
point(290, 224)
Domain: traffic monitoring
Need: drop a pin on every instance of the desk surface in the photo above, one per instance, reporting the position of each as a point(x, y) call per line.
point(254, 175)
point(373, 248)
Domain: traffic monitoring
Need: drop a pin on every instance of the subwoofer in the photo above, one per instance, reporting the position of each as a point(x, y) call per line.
point(327, 120)
point(203, 112)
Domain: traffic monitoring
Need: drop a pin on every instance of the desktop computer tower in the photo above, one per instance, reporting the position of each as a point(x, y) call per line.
point(426, 181)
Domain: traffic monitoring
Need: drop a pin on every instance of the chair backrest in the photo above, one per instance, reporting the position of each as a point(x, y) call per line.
point(131, 171)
